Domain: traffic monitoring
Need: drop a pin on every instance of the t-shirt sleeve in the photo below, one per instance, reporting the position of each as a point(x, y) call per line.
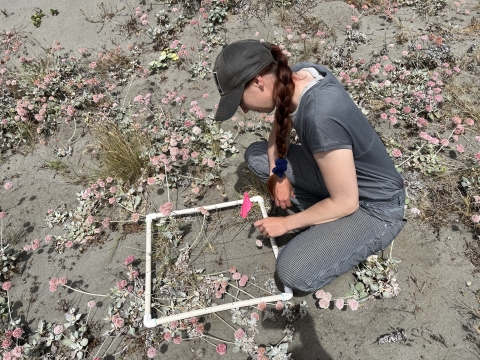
point(325, 134)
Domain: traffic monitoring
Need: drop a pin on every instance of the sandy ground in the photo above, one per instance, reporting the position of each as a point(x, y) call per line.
point(432, 307)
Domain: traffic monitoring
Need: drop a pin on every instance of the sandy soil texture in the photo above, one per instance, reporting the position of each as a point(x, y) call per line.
point(438, 305)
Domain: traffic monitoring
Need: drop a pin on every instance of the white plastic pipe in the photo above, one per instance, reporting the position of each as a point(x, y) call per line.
point(152, 322)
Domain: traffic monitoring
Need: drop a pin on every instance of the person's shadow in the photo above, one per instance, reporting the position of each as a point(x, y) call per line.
point(305, 344)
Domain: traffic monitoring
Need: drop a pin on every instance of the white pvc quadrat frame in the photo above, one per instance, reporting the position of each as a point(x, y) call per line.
point(153, 322)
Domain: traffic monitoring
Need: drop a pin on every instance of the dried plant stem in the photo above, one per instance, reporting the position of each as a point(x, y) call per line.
point(166, 181)
point(215, 338)
point(236, 287)
point(1, 234)
point(415, 153)
point(200, 232)
point(9, 310)
point(74, 130)
point(441, 147)
point(258, 287)
point(83, 292)
point(106, 351)
point(226, 323)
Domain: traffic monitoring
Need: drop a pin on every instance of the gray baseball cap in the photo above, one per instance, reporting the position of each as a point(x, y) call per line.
point(238, 63)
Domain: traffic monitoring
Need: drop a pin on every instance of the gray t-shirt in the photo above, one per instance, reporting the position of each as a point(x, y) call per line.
point(328, 119)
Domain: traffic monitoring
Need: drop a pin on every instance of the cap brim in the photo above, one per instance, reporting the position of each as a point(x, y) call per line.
point(229, 104)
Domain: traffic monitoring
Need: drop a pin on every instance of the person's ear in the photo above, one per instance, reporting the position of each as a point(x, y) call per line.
point(260, 82)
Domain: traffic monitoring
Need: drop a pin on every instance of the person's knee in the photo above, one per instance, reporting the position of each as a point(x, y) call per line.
point(291, 277)
point(255, 151)
point(256, 157)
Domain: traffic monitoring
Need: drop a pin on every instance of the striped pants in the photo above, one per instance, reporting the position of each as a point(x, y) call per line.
point(319, 254)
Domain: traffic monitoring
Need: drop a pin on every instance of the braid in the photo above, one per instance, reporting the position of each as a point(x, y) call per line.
point(283, 93)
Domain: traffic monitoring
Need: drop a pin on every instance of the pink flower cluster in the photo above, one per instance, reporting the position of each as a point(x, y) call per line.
point(142, 16)
point(118, 321)
point(242, 279)
point(54, 282)
point(166, 209)
point(7, 285)
point(221, 349)
point(326, 297)
point(128, 260)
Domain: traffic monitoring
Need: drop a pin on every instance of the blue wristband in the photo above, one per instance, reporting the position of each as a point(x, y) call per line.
point(280, 167)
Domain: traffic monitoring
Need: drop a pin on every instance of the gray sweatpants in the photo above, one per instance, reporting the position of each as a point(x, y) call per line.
point(319, 254)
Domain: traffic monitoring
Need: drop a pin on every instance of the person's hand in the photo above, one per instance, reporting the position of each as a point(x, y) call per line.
point(271, 227)
point(283, 192)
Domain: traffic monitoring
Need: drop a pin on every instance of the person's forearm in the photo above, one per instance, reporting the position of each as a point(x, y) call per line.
point(324, 211)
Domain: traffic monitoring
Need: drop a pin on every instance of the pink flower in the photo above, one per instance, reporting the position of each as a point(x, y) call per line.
point(396, 153)
point(6, 344)
point(221, 349)
point(151, 181)
point(255, 316)
point(353, 304)
point(174, 324)
point(27, 247)
point(239, 333)
point(415, 211)
point(324, 303)
point(112, 200)
point(17, 333)
point(128, 260)
point(48, 238)
point(166, 209)
point(7, 186)
point(118, 322)
point(470, 121)
point(320, 294)
point(167, 336)
point(106, 222)
point(57, 330)
point(279, 305)
point(7, 285)
point(203, 211)
point(69, 244)
point(135, 217)
point(476, 218)
point(90, 219)
point(384, 116)
point(121, 284)
point(53, 281)
point(177, 340)
point(246, 205)
point(2, 214)
point(232, 269)
point(340, 303)
point(151, 352)
point(460, 148)
point(200, 328)
point(91, 304)
point(236, 276)
point(62, 280)
point(17, 351)
point(243, 281)
point(262, 306)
